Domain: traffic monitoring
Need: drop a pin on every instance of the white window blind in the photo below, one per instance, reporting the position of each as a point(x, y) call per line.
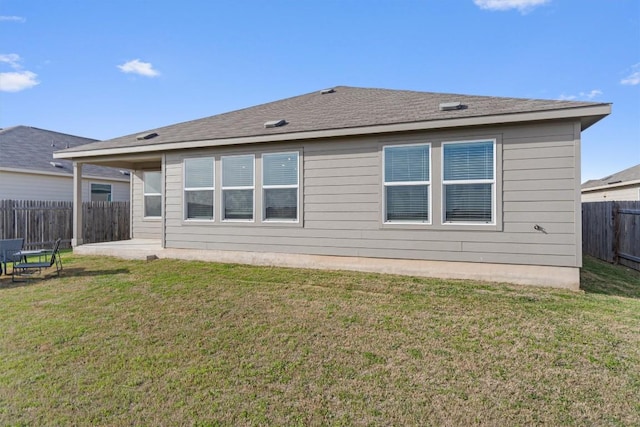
point(199, 188)
point(280, 186)
point(407, 183)
point(469, 181)
point(237, 187)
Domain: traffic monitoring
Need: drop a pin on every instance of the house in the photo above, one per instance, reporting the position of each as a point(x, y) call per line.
point(371, 179)
point(623, 185)
point(28, 170)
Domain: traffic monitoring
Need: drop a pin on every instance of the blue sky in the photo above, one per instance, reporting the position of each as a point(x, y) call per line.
point(104, 69)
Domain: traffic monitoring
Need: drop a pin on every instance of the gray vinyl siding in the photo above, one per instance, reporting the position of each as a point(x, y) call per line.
point(537, 177)
point(142, 228)
point(28, 186)
point(119, 190)
point(631, 192)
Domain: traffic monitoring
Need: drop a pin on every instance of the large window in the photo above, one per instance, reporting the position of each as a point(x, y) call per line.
point(407, 183)
point(198, 188)
point(280, 186)
point(152, 194)
point(100, 192)
point(469, 182)
point(237, 187)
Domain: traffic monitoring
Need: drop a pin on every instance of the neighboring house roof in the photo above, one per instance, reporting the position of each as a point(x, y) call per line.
point(29, 149)
point(341, 112)
point(628, 176)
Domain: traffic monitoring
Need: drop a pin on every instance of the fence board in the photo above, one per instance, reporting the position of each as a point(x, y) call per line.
point(611, 231)
point(42, 222)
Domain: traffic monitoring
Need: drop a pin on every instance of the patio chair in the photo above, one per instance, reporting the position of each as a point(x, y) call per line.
point(8, 247)
point(45, 259)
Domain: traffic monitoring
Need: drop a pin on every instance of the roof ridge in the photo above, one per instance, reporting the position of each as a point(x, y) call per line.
point(16, 127)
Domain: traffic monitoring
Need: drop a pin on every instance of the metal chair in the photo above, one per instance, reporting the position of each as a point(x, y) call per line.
point(8, 248)
point(24, 267)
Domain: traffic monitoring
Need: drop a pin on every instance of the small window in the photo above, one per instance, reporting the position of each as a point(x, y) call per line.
point(100, 192)
point(280, 186)
point(238, 187)
point(469, 182)
point(407, 183)
point(198, 188)
point(152, 194)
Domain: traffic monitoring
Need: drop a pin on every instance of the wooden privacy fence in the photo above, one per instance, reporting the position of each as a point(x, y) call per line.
point(42, 222)
point(611, 231)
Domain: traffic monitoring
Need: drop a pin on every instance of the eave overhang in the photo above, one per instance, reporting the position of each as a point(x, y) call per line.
point(588, 115)
point(61, 174)
point(611, 186)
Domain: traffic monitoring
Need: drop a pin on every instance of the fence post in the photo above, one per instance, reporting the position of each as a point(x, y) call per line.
point(616, 232)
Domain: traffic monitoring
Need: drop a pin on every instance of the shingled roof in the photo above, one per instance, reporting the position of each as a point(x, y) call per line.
point(27, 148)
point(342, 108)
point(625, 177)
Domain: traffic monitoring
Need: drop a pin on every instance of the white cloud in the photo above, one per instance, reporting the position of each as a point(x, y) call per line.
point(16, 81)
point(138, 67)
point(13, 19)
point(582, 95)
point(632, 79)
point(523, 6)
point(592, 94)
point(12, 59)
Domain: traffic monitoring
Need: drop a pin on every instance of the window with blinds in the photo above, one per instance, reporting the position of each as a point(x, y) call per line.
point(407, 183)
point(199, 188)
point(238, 187)
point(100, 192)
point(152, 189)
point(280, 186)
point(469, 182)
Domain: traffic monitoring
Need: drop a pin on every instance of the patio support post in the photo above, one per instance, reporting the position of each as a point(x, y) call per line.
point(77, 205)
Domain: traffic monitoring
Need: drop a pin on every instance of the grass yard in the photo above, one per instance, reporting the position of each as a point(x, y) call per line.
point(115, 342)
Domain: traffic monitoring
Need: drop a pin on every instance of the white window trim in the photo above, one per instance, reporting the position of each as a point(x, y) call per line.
point(406, 183)
point(145, 194)
point(252, 187)
point(493, 183)
point(185, 189)
point(268, 187)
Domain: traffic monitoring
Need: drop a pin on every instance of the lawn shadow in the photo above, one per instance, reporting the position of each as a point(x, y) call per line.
point(600, 277)
point(7, 283)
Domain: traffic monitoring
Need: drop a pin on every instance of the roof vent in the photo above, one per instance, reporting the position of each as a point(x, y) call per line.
point(146, 136)
point(448, 106)
point(275, 123)
point(326, 91)
point(56, 164)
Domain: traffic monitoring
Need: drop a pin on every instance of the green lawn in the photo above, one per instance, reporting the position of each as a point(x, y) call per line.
point(115, 342)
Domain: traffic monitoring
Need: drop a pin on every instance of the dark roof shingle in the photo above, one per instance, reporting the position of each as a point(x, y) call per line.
point(619, 178)
point(346, 107)
point(29, 148)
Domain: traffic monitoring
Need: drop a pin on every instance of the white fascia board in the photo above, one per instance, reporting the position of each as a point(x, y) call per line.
point(608, 186)
point(576, 113)
point(61, 174)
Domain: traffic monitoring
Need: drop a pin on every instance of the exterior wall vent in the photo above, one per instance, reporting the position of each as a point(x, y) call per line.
point(146, 136)
point(56, 164)
point(326, 91)
point(275, 123)
point(449, 106)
